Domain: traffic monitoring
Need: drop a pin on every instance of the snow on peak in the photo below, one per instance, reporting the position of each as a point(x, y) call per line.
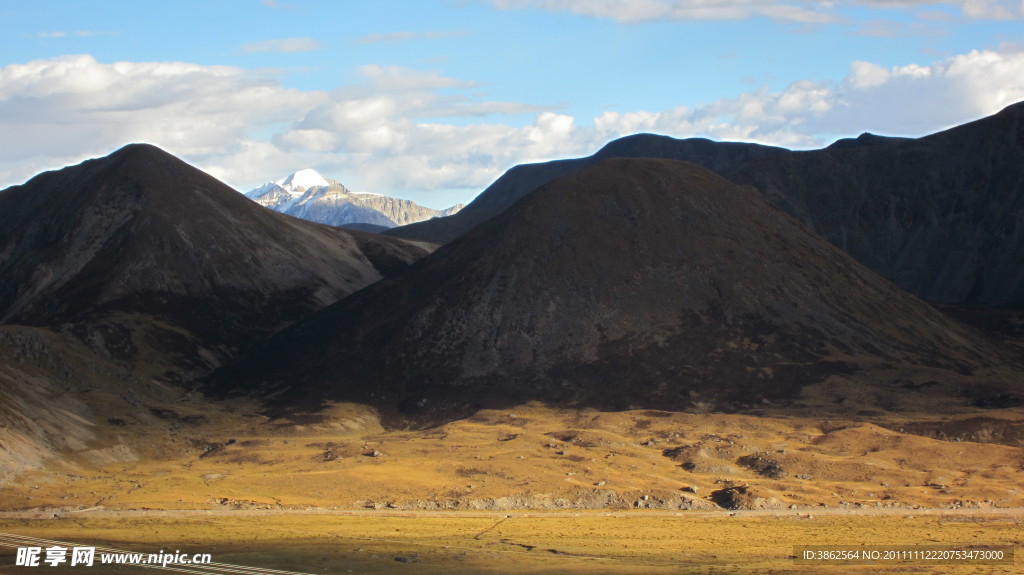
point(305, 179)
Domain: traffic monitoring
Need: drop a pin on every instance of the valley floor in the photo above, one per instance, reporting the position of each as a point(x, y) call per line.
point(533, 490)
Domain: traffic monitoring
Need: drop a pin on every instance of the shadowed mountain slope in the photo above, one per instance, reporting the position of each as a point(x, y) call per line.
point(942, 215)
point(125, 275)
point(630, 283)
point(140, 231)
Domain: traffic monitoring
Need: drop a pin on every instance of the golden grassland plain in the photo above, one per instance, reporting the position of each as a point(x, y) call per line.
point(532, 457)
point(529, 490)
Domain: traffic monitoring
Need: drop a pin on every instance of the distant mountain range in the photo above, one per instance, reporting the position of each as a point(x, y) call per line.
point(308, 195)
point(942, 216)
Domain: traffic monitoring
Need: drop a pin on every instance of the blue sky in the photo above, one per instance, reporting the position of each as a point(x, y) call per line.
point(433, 100)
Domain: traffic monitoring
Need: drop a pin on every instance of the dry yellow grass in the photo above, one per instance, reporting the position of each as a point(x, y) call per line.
point(537, 457)
point(345, 494)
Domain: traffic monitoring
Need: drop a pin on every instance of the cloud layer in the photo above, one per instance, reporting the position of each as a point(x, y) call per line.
point(400, 130)
point(282, 46)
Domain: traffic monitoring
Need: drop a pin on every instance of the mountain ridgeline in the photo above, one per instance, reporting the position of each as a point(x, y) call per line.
point(140, 231)
point(942, 215)
point(628, 283)
point(523, 179)
point(630, 279)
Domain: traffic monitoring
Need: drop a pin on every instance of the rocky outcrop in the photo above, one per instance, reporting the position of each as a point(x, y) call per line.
point(595, 499)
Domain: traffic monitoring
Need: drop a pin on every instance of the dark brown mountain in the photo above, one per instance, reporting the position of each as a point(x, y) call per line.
point(142, 233)
point(942, 216)
point(629, 283)
point(125, 275)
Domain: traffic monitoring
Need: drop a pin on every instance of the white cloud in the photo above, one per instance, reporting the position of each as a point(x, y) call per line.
point(282, 46)
point(796, 11)
point(396, 78)
point(381, 135)
point(631, 11)
point(882, 28)
point(908, 100)
point(82, 33)
point(867, 75)
point(75, 107)
point(384, 139)
point(994, 9)
point(405, 36)
point(403, 131)
point(386, 131)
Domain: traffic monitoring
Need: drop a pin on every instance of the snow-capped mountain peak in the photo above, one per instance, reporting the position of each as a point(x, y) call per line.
point(308, 195)
point(305, 179)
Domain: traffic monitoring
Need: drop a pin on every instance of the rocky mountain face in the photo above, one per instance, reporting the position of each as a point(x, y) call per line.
point(942, 215)
point(126, 275)
point(629, 283)
point(308, 195)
